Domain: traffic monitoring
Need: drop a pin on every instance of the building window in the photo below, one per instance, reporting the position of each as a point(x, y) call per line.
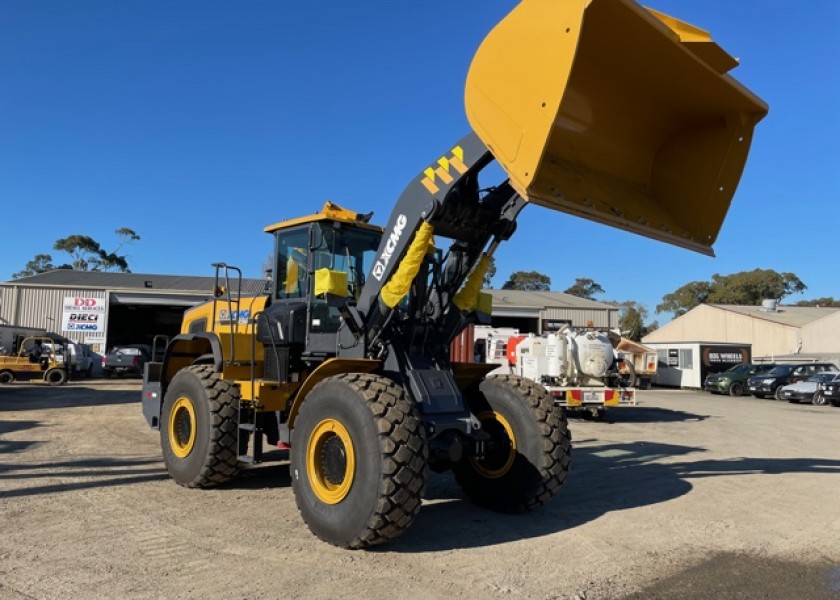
point(686, 358)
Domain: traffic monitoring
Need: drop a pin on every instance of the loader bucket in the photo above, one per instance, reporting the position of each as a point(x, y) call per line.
point(614, 113)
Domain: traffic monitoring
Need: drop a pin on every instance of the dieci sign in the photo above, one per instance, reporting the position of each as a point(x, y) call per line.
point(83, 315)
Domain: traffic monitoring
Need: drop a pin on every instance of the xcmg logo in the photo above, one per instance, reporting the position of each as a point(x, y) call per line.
point(379, 266)
point(81, 326)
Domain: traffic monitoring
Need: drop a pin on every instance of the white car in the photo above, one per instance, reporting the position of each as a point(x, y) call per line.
point(807, 390)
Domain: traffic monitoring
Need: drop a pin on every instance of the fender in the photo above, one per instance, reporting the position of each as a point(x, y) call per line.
point(187, 348)
point(328, 368)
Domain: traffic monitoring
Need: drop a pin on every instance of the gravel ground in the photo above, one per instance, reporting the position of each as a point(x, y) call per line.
point(686, 496)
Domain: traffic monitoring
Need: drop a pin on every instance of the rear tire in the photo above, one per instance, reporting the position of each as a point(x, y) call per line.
point(531, 451)
point(6, 377)
point(198, 429)
point(736, 389)
point(358, 460)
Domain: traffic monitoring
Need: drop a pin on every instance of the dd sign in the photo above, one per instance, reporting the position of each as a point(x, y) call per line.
point(83, 315)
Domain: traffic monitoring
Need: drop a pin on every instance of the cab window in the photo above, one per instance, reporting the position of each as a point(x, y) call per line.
point(291, 270)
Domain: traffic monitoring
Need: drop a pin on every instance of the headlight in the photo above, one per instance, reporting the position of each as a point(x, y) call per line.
point(770, 380)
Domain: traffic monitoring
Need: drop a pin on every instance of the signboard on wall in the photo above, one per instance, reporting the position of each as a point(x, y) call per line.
point(726, 355)
point(83, 315)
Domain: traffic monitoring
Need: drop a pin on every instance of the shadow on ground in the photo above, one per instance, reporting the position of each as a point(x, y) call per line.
point(76, 475)
point(650, 414)
point(747, 577)
point(17, 396)
point(605, 478)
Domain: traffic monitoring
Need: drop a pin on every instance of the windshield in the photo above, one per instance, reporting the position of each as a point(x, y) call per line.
point(351, 250)
point(737, 369)
point(781, 370)
point(822, 377)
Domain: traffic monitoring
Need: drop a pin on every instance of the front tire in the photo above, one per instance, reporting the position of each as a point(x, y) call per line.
point(736, 389)
point(530, 454)
point(778, 394)
point(819, 399)
point(358, 460)
point(6, 377)
point(56, 376)
point(199, 425)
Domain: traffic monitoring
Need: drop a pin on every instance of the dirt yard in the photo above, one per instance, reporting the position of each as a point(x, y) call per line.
point(686, 496)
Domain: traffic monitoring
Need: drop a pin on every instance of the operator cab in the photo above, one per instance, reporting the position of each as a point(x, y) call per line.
point(317, 257)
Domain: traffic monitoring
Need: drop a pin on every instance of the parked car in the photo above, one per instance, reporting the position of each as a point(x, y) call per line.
point(80, 355)
point(771, 382)
point(808, 389)
point(127, 359)
point(829, 393)
point(733, 381)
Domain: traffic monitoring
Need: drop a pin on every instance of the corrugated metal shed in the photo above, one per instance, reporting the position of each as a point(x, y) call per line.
point(37, 301)
point(130, 281)
point(557, 306)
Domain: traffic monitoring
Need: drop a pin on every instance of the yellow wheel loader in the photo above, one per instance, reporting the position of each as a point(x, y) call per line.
point(598, 108)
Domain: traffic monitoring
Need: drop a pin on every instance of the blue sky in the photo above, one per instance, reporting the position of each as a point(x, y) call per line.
point(197, 123)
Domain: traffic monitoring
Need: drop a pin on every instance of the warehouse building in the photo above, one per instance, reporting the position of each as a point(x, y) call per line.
point(544, 312)
point(773, 332)
point(104, 309)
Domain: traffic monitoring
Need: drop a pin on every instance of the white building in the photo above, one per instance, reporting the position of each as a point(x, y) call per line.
point(773, 332)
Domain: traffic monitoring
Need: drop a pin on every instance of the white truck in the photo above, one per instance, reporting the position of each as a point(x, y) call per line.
point(580, 369)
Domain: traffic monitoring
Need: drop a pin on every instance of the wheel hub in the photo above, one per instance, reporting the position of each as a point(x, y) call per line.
point(334, 460)
point(182, 428)
point(330, 461)
point(501, 452)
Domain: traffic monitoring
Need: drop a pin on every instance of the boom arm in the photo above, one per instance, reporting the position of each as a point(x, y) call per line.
point(444, 200)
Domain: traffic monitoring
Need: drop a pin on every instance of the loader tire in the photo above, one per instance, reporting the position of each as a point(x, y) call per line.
point(6, 377)
point(530, 455)
point(358, 460)
point(198, 432)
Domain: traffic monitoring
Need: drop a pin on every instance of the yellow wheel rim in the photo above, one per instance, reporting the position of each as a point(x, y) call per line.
point(500, 459)
point(182, 427)
point(330, 461)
